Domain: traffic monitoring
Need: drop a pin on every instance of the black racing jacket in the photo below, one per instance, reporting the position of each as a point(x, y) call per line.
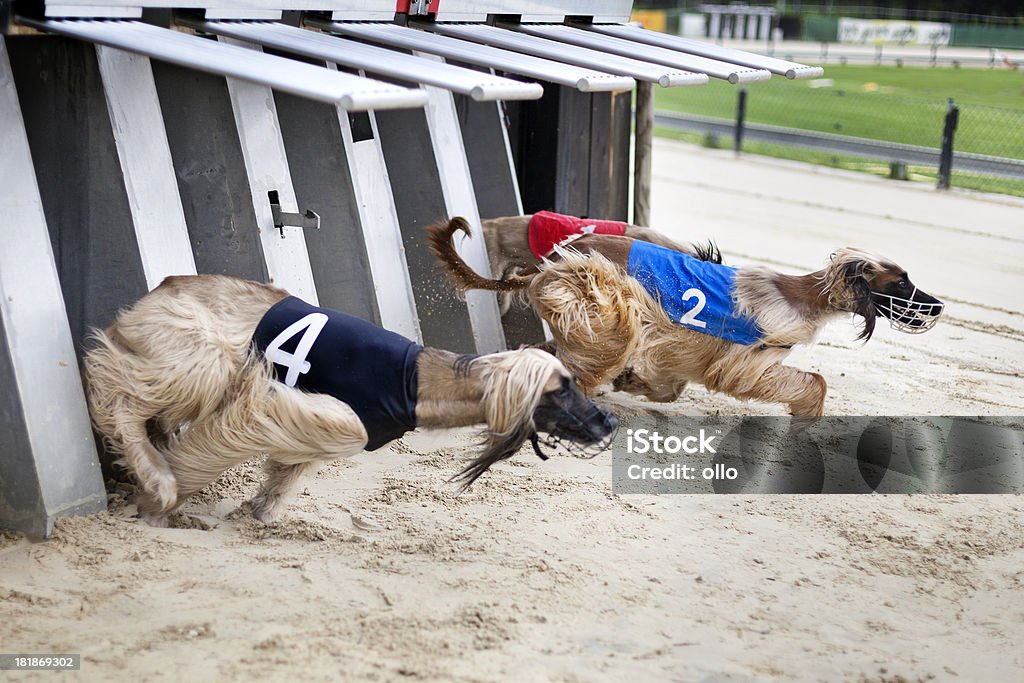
point(323, 351)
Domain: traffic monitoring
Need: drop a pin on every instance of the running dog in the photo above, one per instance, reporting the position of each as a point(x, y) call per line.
point(651, 319)
point(208, 371)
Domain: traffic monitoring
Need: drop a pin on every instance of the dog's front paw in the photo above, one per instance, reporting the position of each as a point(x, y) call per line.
point(266, 509)
point(157, 520)
point(150, 511)
point(165, 493)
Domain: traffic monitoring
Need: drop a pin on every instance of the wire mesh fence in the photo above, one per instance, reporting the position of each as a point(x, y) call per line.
point(991, 130)
point(901, 136)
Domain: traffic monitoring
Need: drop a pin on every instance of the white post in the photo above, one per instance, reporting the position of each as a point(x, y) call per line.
point(382, 233)
point(145, 158)
point(460, 200)
point(267, 169)
point(55, 470)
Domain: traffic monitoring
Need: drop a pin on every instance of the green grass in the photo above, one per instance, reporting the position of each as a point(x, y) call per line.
point(904, 105)
point(928, 174)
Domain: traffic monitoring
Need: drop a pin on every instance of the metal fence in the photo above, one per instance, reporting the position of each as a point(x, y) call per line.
point(825, 53)
point(901, 134)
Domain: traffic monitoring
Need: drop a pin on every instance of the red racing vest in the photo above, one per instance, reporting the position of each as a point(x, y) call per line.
point(549, 229)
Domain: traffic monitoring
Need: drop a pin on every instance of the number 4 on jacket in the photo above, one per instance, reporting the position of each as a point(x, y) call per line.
point(296, 362)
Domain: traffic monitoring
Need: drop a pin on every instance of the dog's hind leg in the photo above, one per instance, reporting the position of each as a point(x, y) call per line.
point(279, 487)
point(123, 423)
point(297, 430)
point(309, 429)
point(804, 392)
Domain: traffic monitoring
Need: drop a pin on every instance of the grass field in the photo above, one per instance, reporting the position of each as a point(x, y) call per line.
point(904, 105)
point(926, 174)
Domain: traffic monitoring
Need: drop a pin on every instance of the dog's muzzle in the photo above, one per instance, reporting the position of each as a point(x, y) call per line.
point(908, 315)
point(567, 445)
point(580, 438)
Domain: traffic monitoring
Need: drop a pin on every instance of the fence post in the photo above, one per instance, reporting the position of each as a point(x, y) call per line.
point(741, 115)
point(643, 136)
point(946, 157)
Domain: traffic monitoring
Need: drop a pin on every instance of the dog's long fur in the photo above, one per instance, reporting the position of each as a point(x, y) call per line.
point(607, 327)
point(180, 393)
point(508, 247)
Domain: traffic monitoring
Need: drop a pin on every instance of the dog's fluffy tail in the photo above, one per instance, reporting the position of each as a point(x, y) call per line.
point(440, 238)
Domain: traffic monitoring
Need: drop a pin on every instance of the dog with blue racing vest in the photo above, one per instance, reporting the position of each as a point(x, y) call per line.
point(651, 319)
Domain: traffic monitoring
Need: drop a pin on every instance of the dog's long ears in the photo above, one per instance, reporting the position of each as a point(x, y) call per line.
point(856, 268)
point(498, 447)
point(864, 306)
point(439, 237)
point(514, 384)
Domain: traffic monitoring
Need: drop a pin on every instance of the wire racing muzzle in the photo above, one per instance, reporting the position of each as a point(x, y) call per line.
point(908, 315)
point(576, 437)
point(573, 448)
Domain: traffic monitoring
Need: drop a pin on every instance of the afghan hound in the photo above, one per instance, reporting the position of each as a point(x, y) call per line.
point(518, 243)
point(650, 319)
point(208, 371)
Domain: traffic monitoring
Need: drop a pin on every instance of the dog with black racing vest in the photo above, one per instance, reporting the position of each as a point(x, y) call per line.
point(208, 371)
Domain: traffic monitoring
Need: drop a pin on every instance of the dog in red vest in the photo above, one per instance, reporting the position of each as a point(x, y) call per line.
point(516, 243)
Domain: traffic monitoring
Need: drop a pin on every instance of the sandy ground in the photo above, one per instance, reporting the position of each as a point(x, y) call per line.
point(382, 571)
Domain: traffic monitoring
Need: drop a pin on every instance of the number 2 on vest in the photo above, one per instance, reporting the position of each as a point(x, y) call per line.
point(296, 362)
point(690, 317)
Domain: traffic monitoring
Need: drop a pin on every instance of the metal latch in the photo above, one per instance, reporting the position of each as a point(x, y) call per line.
point(310, 219)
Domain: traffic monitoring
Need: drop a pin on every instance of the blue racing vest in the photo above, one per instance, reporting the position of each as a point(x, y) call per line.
point(323, 351)
point(695, 294)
